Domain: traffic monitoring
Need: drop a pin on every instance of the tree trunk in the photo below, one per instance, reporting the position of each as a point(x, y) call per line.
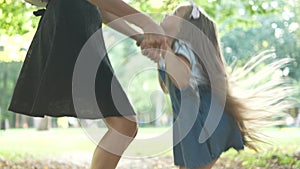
point(2, 124)
point(25, 122)
point(17, 124)
point(44, 124)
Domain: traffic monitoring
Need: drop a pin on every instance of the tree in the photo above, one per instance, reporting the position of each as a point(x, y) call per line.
point(16, 17)
point(279, 32)
point(8, 75)
point(227, 13)
point(235, 19)
point(138, 77)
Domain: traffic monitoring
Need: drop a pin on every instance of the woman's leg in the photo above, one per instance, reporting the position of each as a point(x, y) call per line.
point(121, 131)
point(208, 166)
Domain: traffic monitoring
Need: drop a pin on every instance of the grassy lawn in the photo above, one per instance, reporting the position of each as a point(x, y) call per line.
point(17, 143)
point(283, 149)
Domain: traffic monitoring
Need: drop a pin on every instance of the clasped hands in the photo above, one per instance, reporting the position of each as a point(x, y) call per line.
point(153, 46)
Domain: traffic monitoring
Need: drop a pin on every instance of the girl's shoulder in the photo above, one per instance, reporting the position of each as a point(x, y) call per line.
point(180, 47)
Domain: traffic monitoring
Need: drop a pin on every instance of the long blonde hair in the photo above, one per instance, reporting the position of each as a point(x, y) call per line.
point(247, 106)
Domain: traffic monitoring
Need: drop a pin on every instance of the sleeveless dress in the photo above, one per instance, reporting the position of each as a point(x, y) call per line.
point(46, 82)
point(190, 109)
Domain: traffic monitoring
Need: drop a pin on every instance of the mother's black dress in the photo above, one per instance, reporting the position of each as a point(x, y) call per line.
point(45, 82)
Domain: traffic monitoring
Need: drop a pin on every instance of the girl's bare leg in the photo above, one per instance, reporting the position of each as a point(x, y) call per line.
point(208, 166)
point(121, 131)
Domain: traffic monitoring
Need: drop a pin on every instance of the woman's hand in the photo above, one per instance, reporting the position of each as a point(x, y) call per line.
point(154, 44)
point(151, 51)
point(155, 38)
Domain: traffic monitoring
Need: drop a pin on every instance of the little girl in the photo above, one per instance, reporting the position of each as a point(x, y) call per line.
point(208, 118)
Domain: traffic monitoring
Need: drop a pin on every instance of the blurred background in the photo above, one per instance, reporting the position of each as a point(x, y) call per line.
point(246, 28)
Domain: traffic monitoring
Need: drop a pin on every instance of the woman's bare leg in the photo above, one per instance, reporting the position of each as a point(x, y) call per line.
point(208, 166)
point(121, 131)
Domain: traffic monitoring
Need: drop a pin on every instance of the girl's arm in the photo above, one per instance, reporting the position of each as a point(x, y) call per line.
point(178, 68)
point(121, 26)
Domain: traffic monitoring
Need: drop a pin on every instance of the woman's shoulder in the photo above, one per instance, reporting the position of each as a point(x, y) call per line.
point(38, 3)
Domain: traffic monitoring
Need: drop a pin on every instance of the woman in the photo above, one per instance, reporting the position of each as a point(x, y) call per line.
point(44, 86)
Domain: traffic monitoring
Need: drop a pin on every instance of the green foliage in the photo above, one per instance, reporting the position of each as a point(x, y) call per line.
point(137, 75)
point(245, 28)
point(16, 17)
point(9, 72)
point(270, 159)
point(228, 13)
point(281, 152)
point(245, 44)
point(279, 32)
point(296, 84)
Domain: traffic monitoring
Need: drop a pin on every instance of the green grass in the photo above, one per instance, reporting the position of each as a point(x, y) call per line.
point(20, 142)
point(283, 145)
point(17, 143)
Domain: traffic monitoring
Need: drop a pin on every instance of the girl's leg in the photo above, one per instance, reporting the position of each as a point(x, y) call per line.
point(208, 166)
point(121, 131)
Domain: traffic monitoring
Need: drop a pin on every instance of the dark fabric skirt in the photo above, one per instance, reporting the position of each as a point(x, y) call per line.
point(45, 84)
point(192, 153)
point(191, 108)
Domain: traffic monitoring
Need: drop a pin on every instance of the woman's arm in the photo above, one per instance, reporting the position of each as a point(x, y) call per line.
point(154, 34)
point(178, 68)
point(122, 9)
point(121, 26)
